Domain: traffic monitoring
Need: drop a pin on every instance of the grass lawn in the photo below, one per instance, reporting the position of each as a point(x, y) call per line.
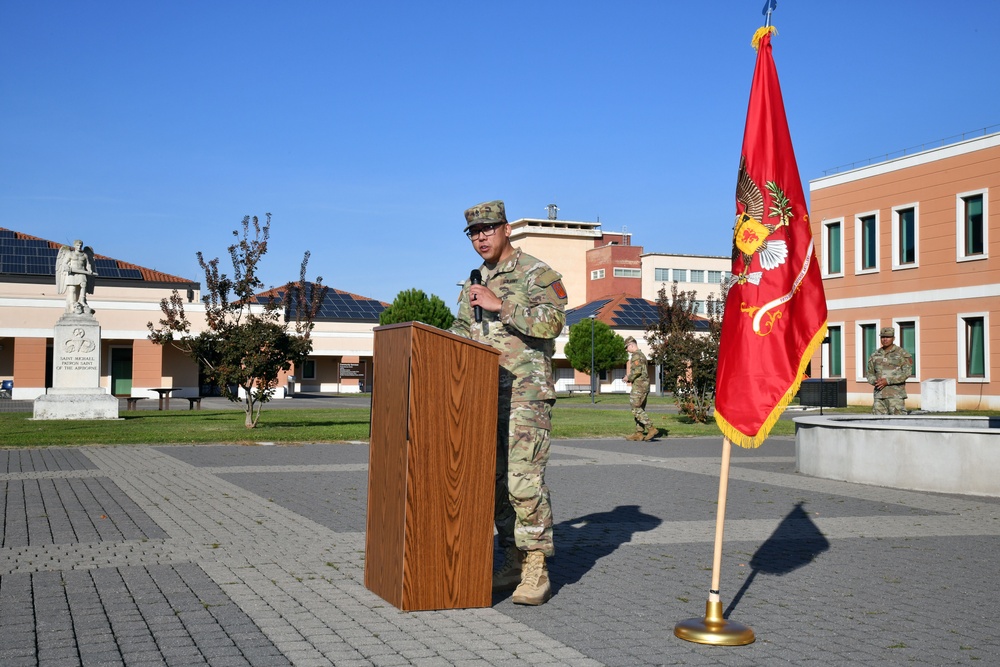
point(188, 427)
point(573, 417)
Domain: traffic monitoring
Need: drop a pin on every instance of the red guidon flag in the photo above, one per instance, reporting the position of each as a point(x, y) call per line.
point(775, 311)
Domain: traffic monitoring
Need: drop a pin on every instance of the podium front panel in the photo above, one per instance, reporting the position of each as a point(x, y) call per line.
point(430, 509)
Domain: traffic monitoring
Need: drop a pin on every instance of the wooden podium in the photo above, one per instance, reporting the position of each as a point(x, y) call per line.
point(431, 468)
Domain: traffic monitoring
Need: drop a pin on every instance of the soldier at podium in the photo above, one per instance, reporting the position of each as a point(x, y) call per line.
point(516, 303)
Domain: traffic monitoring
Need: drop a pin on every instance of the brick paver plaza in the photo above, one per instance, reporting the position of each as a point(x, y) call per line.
point(229, 555)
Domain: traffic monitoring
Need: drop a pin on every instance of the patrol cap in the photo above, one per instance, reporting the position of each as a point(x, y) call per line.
point(487, 213)
point(887, 332)
point(630, 340)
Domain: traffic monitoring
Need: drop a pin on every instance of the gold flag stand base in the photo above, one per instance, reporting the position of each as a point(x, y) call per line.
point(714, 629)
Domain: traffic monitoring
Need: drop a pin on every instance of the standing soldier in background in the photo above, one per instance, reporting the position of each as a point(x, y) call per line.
point(888, 369)
point(637, 374)
point(522, 302)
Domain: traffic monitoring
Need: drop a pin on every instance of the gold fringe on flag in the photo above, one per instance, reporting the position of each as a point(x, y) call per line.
point(737, 437)
point(759, 35)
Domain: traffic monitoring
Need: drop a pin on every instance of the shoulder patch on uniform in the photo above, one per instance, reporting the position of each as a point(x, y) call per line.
point(558, 288)
point(547, 277)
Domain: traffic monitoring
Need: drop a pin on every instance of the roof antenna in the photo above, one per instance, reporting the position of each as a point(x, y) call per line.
point(552, 209)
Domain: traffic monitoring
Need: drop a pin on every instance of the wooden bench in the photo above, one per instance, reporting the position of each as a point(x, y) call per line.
point(132, 400)
point(192, 401)
point(577, 387)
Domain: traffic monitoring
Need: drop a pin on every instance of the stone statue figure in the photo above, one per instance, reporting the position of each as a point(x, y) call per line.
point(74, 276)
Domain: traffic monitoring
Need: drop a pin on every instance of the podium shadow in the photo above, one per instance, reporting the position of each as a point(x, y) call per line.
point(796, 542)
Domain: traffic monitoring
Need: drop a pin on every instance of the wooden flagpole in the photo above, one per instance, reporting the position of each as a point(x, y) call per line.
point(713, 628)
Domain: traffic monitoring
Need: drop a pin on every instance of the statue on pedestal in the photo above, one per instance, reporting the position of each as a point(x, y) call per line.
point(74, 276)
point(76, 391)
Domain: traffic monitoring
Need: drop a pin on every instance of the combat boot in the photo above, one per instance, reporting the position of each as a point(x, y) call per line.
point(508, 575)
point(635, 436)
point(535, 588)
point(652, 433)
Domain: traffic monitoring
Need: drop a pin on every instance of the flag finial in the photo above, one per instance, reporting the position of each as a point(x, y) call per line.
point(769, 6)
point(768, 29)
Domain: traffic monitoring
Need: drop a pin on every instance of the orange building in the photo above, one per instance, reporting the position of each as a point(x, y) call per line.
point(907, 243)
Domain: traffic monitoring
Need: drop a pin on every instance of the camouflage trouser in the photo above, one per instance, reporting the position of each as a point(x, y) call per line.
point(888, 406)
point(523, 514)
point(637, 399)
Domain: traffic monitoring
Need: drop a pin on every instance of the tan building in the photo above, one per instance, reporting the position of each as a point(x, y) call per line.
point(701, 274)
point(126, 297)
point(565, 246)
point(608, 277)
point(596, 264)
point(913, 243)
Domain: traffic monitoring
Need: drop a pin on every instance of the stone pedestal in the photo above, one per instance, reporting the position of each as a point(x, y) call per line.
point(938, 395)
point(76, 374)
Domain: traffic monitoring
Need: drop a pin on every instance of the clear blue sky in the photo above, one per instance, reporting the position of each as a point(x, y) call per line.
point(149, 129)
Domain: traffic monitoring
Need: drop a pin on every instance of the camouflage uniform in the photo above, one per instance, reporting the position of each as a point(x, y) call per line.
point(524, 331)
point(638, 375)
point(894, 364)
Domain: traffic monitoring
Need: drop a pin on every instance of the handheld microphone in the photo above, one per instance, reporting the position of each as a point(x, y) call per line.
point(476, 278)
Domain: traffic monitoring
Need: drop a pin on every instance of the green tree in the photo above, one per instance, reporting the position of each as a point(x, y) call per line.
point(687, 349)
point(609, 347)
point(412, 305)
point(250, 337)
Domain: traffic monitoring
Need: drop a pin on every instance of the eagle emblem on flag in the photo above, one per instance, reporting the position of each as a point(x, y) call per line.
point(751, 235)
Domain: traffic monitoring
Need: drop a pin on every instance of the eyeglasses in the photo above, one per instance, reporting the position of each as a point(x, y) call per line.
point(485, 231)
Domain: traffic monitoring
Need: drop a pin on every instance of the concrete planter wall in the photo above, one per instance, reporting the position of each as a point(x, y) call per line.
point(923, 453)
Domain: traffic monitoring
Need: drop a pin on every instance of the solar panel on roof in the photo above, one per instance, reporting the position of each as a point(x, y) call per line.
point(38, 264)
point(337, 306)
point(584, 311)
point(12, 264)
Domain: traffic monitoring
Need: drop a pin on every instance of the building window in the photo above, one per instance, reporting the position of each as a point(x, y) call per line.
point(697, 276)
point(308, 369)
point(833, 248)
point(971, 220)
point(627, 273)
point(973, 348)
point(661, 275)
point(867, 343)
point(908, 341)
point(835, 351)
point(680, 275)
point(699, 307)
point(715, 277)
point(866, 243)
point(904, 237)
point(597, 274)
